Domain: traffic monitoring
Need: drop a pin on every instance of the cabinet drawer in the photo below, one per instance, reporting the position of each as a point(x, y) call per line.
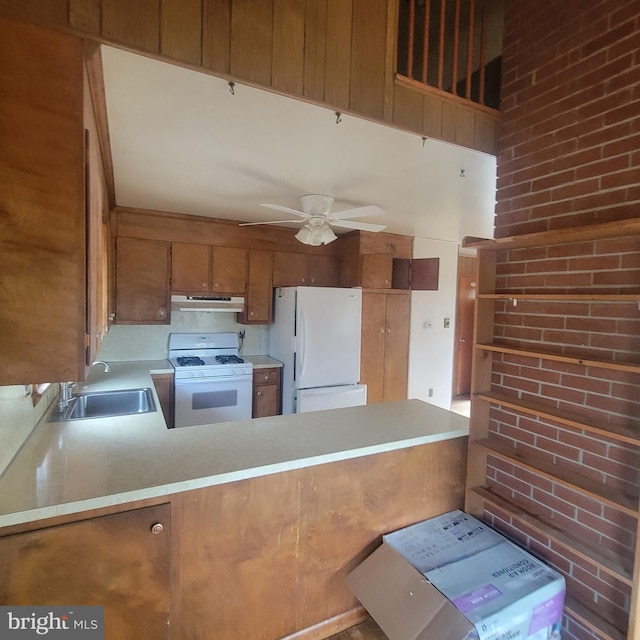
point(266, 376)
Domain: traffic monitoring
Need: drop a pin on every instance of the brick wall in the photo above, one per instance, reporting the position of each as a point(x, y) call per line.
point(570, 141)
point(570, 156)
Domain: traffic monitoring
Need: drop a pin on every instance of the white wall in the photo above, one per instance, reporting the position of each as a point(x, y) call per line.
point(18, 417)
point(431, 345)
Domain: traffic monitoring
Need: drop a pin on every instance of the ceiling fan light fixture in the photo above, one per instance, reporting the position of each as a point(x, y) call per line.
point(315, 234)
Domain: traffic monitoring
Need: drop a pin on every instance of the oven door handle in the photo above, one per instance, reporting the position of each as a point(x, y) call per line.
point(185, 381)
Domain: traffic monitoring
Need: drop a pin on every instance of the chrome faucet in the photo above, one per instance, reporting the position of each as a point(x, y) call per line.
point(106, 366)
point(66, 389)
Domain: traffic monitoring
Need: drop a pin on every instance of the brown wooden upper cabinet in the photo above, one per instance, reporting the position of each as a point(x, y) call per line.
point(259, 294)
point(377, 270)
point(142, 281)
point(301, 269)
point(200, 268)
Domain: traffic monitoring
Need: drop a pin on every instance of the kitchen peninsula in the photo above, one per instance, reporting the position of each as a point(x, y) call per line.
point(245, 528)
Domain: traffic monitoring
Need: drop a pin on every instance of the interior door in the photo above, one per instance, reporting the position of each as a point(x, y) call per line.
point(464, 333)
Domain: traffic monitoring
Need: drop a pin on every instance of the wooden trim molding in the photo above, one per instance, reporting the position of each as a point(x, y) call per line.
point(95, 74)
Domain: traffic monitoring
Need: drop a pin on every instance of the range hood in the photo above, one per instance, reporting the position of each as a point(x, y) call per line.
point(207, 303)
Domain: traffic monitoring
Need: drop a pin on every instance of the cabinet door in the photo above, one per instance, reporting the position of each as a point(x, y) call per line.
point(396, 348)
point(372, 355)
point(377, 270)
point(290, 269)
point(42, 237)
point(117, 561)
point(258, 299)
point(324, 271)
point(266, 392)
point(228, 270)
point(265, 401)
point(190, 267)
point(142, 281)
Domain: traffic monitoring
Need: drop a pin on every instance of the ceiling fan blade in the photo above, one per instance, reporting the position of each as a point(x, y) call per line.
point(361, 226)
point(278, 207)
point(358, 212)
point(251, 224)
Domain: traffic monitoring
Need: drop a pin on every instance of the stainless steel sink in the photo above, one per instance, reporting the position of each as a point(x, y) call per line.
point(105, 404)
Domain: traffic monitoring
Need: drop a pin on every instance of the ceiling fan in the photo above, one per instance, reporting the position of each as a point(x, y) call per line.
point(317, 219)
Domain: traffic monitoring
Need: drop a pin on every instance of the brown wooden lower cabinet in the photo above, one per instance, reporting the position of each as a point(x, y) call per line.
point(266, 392)
point(263, 558)
point(118, 561)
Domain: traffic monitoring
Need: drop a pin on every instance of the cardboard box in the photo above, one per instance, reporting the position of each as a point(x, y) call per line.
point(454, 578)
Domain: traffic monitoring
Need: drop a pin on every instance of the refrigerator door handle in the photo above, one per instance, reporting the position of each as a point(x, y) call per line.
point(300, 343)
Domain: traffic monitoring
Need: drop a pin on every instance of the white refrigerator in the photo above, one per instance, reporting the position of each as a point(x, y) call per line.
point(316, 335)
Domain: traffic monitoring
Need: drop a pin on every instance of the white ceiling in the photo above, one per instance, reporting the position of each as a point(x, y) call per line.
point(182, 142)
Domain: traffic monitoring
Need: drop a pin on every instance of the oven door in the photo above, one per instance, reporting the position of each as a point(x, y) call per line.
point(211, 400)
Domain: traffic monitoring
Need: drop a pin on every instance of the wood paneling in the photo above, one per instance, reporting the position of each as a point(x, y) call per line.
point(237, 559)
point(51, 12)
point(85, 15)
point(279, 546)
point(368, 55)
point(408, 109)
point(216, 35)
point(252, 40)
point(315, 48)
point(341, 53)
point(136, 24)
point(338, 52)
point(181, 30)
point(42, 212)
point(142, 223)
point(288, 45)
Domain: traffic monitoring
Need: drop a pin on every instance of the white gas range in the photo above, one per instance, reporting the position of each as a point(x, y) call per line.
point(212, 382)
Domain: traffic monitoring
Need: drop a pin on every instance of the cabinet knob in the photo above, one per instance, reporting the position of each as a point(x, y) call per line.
point(302, 280)
point(386, 280)
point(252, 313)
point(161, 313)
point(266, 377)
point(380, 331)
point(312, 280)
point(157, 528)
point(216, 284)
point(388, 330)
point(259, 394)
point(204, 285)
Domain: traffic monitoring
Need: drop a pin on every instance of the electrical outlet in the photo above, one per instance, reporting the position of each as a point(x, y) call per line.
point(447, 323)
point(430, 392)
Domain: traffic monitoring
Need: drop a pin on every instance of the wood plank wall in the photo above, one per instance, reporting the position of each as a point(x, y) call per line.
point(339, 53)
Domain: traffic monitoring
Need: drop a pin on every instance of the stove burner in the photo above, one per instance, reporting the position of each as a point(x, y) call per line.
point(189, 361)
point(229, 360)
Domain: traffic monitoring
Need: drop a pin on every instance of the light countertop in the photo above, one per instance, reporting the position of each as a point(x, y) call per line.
point(262, 362)
point(68, 467)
